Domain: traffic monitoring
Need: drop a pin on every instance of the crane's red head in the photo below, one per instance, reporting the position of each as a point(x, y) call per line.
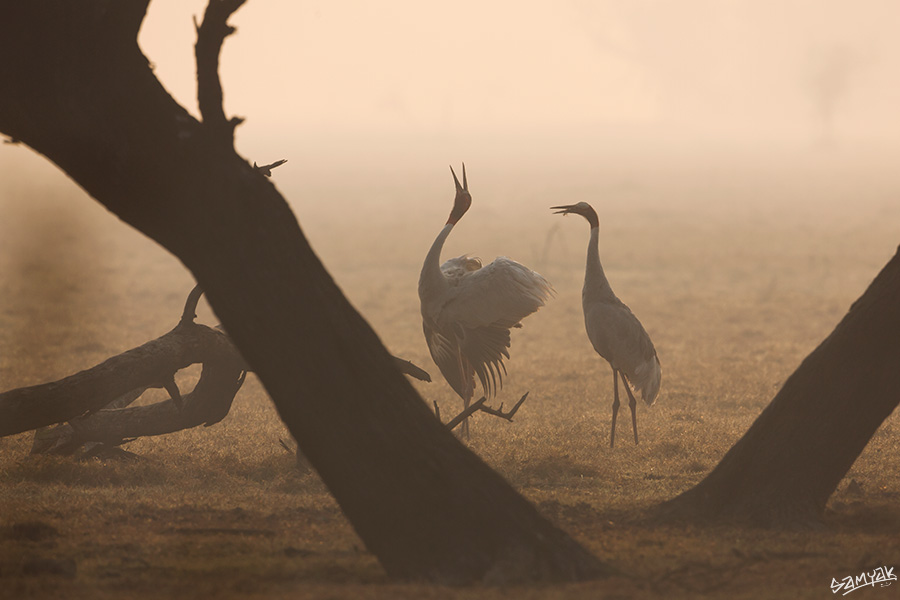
point(463, 199)
point(582, 208)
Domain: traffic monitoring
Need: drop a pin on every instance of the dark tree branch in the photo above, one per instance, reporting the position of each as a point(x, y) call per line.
point(190, 306)
point(48, 438)
point(408, 368)
point(120, 380)
point(207, 404)
point(210, 36)
point(455, 421)
point(266, 170)
point(498, 412)
point(28, 408)
point(479, 406)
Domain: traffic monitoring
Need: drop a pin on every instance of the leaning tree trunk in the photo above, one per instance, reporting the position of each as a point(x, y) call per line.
point(791, 460)
point(75, 87)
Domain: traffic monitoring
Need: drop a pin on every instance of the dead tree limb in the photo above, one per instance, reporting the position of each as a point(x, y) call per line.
point(209, 402)
point(266, 170)
point(211, 33)
point(498, 412)
point(408, 368)
point(479, 406)
point(222, 375)
point(472, 408)
point(150, 365)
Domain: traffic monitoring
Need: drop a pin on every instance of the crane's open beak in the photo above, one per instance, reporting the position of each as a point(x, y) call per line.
point(465, 184)
point(563, 210)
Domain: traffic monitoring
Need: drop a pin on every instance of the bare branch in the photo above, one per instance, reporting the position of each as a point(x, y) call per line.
point(27, 408)
point(480, 406)
point(210, 36)
point(408, 368)
point(190, 305)
point(474, 407)
point(267, 169)
point(498, 412)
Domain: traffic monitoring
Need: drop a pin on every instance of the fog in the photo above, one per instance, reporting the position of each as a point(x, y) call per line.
point(711, 109)
point(402, 87)
point(546, 82)
point(644, 108)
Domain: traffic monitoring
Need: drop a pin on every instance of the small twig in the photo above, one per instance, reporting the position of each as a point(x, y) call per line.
point(190, 305)
point(437, 410)
point(267, 169)
point(498, 412)
point(474, 407)
point(409, 368)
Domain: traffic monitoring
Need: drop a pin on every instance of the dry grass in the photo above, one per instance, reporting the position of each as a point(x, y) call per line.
point(736, 276)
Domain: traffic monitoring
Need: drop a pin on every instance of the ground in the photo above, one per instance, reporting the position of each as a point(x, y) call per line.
point(736, 272)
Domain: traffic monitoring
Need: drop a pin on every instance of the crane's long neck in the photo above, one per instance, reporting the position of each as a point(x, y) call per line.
point(431, 277)
point(596, 286)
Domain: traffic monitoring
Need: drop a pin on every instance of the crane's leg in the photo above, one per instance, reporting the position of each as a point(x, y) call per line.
point(633, 404)
point(612, 433)
point(465, 370)
point(467, 400)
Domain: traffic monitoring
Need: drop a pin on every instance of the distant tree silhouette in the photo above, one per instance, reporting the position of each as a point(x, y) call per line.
point(783, 470)
point(75, 86)
point(829, 83)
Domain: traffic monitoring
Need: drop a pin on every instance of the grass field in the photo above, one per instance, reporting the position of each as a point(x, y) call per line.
point(737, 272)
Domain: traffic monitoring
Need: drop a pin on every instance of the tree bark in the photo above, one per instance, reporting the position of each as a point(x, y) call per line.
point(783, 470)
point(81, 92)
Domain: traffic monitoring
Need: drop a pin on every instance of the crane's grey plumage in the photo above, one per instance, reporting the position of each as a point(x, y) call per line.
point(614, 331)
point(468, 309)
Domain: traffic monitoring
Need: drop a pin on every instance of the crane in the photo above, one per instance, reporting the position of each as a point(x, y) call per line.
point(468, 309)
point(614, 331)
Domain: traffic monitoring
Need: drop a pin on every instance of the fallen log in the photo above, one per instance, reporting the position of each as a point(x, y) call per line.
point(151, 365)
point(92, 406)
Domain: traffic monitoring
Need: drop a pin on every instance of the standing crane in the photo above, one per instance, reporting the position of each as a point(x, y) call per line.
point(614, 331)
point(468, 309)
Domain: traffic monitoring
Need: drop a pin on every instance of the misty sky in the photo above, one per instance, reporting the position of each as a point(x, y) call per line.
point(710, 68)
point(402, 85)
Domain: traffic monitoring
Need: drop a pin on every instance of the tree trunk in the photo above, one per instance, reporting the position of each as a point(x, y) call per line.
point(790, 461)
point(81, 92)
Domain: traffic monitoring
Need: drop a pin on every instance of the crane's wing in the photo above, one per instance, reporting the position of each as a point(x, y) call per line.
point(619, 337)
point(446, 354)
point(503, 290)
point(482, 305)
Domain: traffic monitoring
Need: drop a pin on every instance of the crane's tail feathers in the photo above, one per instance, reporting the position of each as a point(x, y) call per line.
point(646, 380)
point(650, 389)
